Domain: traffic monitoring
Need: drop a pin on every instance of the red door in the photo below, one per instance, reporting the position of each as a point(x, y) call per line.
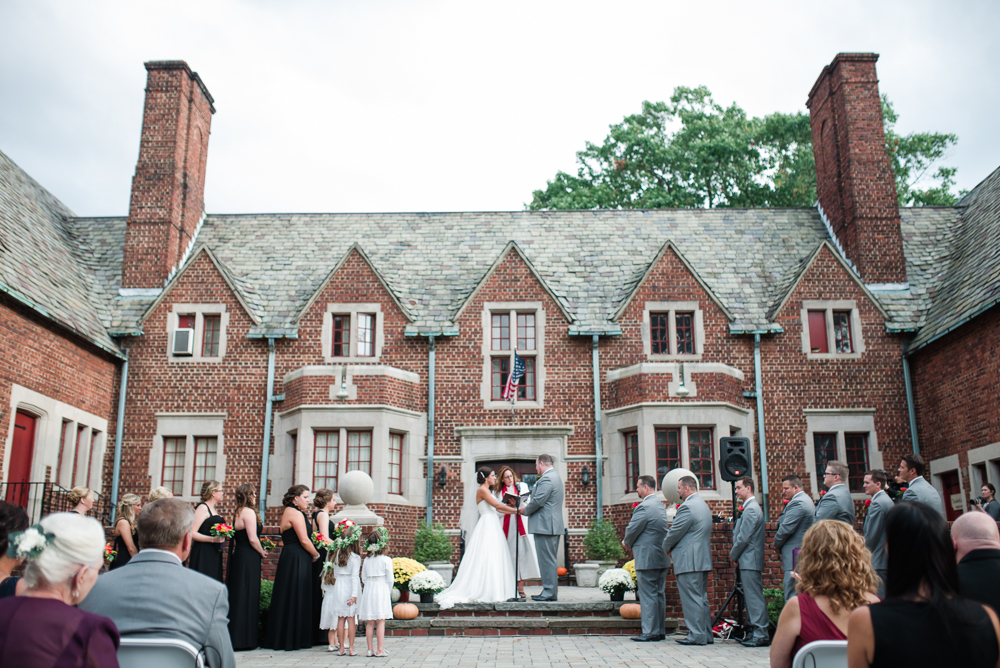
point(952, 495)
point(19, 473)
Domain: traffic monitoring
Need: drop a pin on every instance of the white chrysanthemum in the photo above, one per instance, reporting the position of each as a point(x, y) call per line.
point(427, 582)
point(615, 579)
point(31, 540)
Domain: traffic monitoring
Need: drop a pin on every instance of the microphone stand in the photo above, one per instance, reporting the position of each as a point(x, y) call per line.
point(517, 598)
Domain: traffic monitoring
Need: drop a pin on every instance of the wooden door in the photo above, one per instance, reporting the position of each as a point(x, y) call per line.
point(953, 501)
point(19, 472)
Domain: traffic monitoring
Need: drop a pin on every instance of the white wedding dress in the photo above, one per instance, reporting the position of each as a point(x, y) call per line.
point(486, 574)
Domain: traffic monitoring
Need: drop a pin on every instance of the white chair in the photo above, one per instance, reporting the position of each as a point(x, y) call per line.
point(158, 653)
point(822, 654)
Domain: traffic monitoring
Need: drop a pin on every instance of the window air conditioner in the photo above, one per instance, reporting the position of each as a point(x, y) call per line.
point(183, 342)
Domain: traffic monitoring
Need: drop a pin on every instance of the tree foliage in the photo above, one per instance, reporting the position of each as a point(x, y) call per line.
point(691, 152)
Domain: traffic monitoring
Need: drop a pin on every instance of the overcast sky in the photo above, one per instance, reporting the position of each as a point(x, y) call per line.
point(445, 106)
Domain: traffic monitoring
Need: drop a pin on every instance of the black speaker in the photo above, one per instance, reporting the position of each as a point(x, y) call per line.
point(734, 462)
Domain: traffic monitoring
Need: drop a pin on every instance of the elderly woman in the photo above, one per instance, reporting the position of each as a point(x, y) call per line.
point(835, 577)
point(42, 627)
point(12, 519)
point(82, 500)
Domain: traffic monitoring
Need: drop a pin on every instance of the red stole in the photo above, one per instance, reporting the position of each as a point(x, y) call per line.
point(506, 518)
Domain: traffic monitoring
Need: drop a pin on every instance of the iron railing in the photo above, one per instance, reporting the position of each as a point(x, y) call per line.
point(43, 498)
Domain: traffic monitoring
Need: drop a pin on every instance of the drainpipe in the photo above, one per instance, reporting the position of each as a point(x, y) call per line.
point(599, 465)
point(430, 433)
point(116, 475)
point(759, 387)
point(266, 449)
point(910, 406)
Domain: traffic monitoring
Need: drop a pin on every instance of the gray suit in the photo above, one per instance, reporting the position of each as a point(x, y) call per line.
point(748, 552)
point(155, 596)
point(836, 504)
point(644, 535)
point(546, 523)
point(874, 530)
point(689, 544)
point(921, 491)
point(793, 523)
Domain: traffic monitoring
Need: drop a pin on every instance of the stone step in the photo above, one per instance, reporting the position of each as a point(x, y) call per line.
point(524, 609)
point(520, 626)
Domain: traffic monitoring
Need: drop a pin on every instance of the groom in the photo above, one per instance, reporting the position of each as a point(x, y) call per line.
point(545, 509)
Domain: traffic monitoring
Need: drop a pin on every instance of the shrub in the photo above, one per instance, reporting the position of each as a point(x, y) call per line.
point(602, 542)
point(431, 544)
point(775, 602)
point(266, 588)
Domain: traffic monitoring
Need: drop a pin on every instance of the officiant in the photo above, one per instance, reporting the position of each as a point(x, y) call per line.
point(516, 529)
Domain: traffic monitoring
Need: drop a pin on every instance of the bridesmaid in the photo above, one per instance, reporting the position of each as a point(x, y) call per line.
point(290, 618)
point(325, 502)
point(243, 578)
point(206, 549)
point(126, 536)
point(82, 500)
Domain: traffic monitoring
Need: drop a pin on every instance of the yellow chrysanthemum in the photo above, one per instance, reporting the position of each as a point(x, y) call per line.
point(403, 569)
point(630, 567)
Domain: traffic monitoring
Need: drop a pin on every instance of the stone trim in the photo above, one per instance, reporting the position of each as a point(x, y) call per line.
point(199, 311)
point(191, 426)
point(326, 336)
point(672, 308)
point(839, 421)
point(988, 455)
point(335, 370)
point(829, 306)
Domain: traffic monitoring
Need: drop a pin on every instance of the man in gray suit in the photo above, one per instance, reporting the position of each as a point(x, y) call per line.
point(874, 525)
point(546, 523)
point(748, 553)
point(154, 596)
point(911, 471)
point(644, 536)
point(837, 503)
point(688, 542)
point(793, 523)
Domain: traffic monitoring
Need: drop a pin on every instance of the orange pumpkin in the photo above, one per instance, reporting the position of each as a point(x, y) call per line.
point(561, 571)
point(630, 611)
point(405, 611)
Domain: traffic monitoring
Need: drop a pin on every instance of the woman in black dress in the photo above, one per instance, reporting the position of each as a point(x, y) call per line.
point(126, 537)
point(324, 501)
point(206, 549)
point(289, 622)
point(243, 577)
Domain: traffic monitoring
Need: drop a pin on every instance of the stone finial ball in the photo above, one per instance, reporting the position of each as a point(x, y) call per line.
point(356, 488)
point(669, 484)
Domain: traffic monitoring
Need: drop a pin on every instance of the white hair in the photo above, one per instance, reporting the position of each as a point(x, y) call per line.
point(78, 542)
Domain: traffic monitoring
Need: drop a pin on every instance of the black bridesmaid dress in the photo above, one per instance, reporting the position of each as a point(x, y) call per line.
point(243, 580)
point(289, 621)
point(206, 558)
point(320, 635)
point(122, 556)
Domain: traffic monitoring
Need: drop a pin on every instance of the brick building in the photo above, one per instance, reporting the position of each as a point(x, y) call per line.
point(287, 348)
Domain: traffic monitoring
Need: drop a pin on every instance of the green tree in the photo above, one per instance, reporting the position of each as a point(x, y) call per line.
point(692, 152)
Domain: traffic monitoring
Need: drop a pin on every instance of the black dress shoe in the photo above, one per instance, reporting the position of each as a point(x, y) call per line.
point(685, 641)
point(759, 642)
point(646, 637)
point(537, 597)
point(661, 636)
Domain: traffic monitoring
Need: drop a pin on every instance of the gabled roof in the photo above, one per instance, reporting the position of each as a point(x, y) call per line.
point(512, 247)
point(649, 269)
point(787, 287)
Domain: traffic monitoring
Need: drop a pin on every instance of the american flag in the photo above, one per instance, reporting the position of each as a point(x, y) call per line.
point(515, 377)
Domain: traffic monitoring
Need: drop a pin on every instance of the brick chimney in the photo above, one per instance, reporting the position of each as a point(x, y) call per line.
point(854, 177)
point(168, 188)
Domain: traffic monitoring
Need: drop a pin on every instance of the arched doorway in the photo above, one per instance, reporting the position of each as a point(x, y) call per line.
point(21, 453)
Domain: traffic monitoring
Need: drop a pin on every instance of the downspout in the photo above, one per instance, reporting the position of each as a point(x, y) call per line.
point(598, 444)
point(430, 433)
point(266, 449)
point(759, 391)
point(910, 405)
point(116, 475)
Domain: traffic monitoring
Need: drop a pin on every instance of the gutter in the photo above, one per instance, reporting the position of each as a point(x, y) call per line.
point(266, 448)
point(430, 432)
point(120, 426)
point(598, 443)
point(910, 404)
point(759, 387)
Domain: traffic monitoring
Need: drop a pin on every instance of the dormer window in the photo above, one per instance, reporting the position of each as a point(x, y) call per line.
point(352, 333)
point(197, 332)
point(831, 329)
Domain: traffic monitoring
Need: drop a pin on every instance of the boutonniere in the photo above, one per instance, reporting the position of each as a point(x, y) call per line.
point(635, 504)
point(868, 502)
point(822, 492)
point(739, 511)
point(678, 506)
point(784, 502)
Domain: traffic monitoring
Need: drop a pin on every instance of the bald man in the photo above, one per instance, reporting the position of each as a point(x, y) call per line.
point(977, 551)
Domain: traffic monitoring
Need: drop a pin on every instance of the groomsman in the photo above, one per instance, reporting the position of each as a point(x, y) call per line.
point(911, 471)
point(689, 543)
point(644, 536)
point(748, 553)
point(837, 503)
point(874, 525)
point(793, 523)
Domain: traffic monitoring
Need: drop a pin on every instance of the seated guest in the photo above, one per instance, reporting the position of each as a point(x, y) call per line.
point(12, 518)
point(977, 550)
point(924, 621)
point(155, 596)
point(41, 627)
point(82, 500)
point(835, 576)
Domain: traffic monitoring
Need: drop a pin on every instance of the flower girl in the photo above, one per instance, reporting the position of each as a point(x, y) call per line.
point(341, 591)
point(376, 600)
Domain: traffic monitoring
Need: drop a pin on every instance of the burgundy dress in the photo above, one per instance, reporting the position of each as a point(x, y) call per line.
point(46, 632)
point(815, 625)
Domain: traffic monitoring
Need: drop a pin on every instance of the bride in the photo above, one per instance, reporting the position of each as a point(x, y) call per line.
point(486, 574)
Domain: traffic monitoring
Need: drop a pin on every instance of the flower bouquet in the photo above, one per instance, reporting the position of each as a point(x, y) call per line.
point(320, 541)
point(403, 570)
point(110, 553)
point(222, 529)
point(616, 581)
point(427, 583)
point(267, 544)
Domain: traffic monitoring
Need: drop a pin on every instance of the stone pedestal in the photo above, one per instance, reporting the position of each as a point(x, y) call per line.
point(356, 490)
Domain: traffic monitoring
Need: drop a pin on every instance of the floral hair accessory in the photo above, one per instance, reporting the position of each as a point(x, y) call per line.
point(30, 543)
point(341, 543)
point(383, 541)
point(327, 566)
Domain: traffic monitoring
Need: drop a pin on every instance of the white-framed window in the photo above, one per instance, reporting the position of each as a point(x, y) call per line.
point(844, 435)
point(208, 323)
point(352, 333)
point(187, 451)
point(831, 329)
point(510, 326)
point(672, 331)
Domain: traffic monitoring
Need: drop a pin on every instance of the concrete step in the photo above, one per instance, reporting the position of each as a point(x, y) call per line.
point(518, 626)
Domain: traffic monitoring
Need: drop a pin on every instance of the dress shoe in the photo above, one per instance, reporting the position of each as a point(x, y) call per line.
point(660, 636)
point(536, 597)
point(646, 637)
point(755, 642)
point(685, 641)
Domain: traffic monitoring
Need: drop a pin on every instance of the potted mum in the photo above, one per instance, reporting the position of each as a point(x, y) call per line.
point(603, 549)
point(427, 583)
point(616, 581)
point(402, 570)
point(630, 568)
